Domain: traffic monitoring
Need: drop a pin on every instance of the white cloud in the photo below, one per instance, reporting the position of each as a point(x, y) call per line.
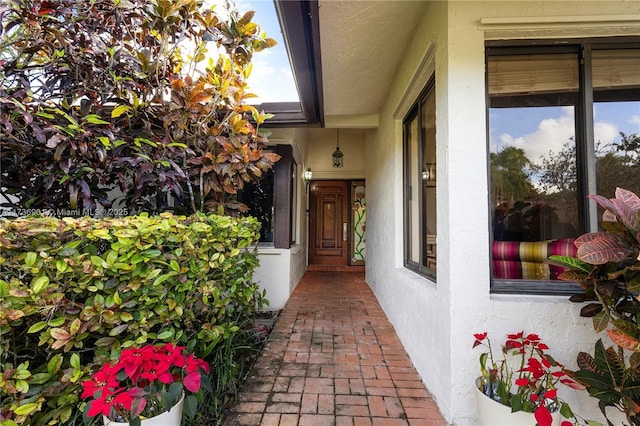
point(605, 133)
point(635, 119)
point(551, 135)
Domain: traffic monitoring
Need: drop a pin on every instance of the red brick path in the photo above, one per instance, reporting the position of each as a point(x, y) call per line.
point(333, 358)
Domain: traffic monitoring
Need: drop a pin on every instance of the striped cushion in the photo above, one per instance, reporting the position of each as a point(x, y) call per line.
point(526, 260)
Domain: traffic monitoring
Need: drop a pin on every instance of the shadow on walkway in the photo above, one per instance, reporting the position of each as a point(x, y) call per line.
point(333, 358)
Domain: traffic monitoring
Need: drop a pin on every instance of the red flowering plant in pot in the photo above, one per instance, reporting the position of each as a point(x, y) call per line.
point(145, 382)
point(525, 378)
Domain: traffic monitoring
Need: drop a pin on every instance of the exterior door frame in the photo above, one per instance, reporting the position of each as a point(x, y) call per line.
point(328, 216)
point(324, 191)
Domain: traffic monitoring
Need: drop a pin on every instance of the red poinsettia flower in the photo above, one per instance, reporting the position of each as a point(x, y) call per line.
point(159, 371)
point(126, 385)
point(513, 344)
point(480, 336)
point(535, 376)
point(174, 354)
point(515, 336)
point(103, 379)
point(195, 364)
point(533, 338)
point(543, 416)
point(124, 399)
point(102, 405)
point(132, 360)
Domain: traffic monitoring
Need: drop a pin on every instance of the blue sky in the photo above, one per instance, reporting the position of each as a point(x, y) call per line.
point(271, 78)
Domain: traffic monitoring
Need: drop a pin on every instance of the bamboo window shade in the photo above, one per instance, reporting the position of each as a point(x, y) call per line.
point(558, 73)
point(616, 69)
point(523, 74)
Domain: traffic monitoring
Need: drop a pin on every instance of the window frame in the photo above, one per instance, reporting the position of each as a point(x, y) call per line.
point(284, 188)
point(584, 134)
point(415, 113)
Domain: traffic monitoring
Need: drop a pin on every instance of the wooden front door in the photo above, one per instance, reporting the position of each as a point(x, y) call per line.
point(328, 221)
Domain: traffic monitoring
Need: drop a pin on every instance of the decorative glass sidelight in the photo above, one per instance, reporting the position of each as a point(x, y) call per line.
point(358, 219)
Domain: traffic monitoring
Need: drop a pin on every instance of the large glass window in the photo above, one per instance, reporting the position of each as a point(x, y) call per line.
point(420, 184)
point(273, 199)
point(564, 122)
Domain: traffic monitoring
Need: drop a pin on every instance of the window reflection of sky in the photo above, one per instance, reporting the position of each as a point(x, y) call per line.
point(538, 130)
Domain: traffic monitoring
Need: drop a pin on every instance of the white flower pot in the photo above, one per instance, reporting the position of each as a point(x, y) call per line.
point(172, 417)
point(492, 413)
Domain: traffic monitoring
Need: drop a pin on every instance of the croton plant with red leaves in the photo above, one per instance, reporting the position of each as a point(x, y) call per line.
point(144, 382)
point(531, 385)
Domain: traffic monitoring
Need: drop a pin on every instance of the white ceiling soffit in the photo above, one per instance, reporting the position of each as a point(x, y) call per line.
point(362, 44)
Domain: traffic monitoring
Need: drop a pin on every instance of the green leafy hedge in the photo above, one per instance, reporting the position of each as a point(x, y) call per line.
point(74, 292)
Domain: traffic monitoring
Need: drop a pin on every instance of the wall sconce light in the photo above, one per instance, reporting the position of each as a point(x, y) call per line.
point(429, 174)
point(338, 156)
point(308, 174)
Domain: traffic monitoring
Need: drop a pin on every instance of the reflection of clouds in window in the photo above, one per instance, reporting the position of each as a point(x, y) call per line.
point(624, 116)
point(553, 132)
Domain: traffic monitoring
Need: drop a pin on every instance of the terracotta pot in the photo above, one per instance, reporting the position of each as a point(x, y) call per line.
point(492, 413)
point(172, 417)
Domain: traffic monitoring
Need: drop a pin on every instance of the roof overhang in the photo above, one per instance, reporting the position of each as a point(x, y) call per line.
point(299, 21)
point(344, 74)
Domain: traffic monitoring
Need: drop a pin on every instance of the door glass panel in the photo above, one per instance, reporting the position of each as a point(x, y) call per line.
point(358, 220)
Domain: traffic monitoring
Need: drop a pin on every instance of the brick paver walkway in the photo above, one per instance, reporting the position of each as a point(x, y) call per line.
point(333, 358)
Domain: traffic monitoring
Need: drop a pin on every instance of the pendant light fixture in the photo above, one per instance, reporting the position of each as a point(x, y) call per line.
point(337, 154)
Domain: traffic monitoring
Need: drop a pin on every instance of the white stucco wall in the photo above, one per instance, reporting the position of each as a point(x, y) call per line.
point(436, 321)
point(418, 309)
point(322, 144)
point(273, 275)
point(279, 272)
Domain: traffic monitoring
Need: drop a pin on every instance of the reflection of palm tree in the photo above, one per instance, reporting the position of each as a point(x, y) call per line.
point(510, 175)
point(630, 144)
